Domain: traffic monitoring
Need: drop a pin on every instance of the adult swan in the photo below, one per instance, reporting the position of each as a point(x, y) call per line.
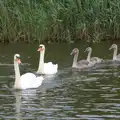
point(28, 80)
point(45, 68)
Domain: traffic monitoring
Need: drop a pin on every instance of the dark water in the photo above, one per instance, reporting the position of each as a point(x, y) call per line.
point(69, 95)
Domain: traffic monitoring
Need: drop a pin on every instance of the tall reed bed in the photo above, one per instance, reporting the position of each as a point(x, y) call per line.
point(59, 20)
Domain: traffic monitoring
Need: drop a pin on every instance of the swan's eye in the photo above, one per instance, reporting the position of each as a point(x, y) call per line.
point(75, 51)
point(17, 57)
point(40, 47)
point(113, 46)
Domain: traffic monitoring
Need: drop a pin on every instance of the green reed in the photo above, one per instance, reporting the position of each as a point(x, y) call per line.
point(59, 20)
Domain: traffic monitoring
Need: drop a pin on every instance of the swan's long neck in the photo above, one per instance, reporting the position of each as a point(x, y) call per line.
point(115, 54)
point(75, 60)
point(17, 75)
point(89, 56)
point(41, 62)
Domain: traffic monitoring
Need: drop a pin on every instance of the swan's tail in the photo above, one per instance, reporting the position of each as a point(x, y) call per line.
point(39, 80)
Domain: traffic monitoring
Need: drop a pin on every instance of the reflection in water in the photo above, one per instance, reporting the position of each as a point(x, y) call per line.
point(18, 104)
point(24, 98)
point(92, 94)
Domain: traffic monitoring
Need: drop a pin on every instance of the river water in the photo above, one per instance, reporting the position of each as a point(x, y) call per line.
point(92, 94)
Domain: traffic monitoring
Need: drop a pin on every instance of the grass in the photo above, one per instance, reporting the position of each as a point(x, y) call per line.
point(59, 20)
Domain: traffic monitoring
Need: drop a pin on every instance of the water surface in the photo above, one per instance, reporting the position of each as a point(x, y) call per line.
point(92, 94)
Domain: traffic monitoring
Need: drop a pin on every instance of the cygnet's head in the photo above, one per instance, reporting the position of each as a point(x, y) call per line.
point(74, 51)
point(113, 46)
point(88, 49)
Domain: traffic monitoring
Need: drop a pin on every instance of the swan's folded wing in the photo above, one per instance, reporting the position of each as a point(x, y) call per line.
point(29, 80)
point(96, 59)
point(83, 62)
point(50, 68)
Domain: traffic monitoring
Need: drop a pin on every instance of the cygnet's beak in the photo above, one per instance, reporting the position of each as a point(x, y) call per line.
point(110, 48)
point(85, 50)
point(72, 53)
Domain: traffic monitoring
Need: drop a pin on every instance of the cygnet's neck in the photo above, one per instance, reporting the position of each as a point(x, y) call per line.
point(115, 53)
point(89, 56)
point(75, 59)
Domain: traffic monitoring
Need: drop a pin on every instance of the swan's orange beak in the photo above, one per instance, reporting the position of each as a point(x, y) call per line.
point(19, 61)
point(40, 49)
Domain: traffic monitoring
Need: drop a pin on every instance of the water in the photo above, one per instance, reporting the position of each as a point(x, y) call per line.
point(69, 95)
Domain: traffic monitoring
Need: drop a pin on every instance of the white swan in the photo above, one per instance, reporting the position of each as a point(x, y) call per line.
point(80, 64)
point(90, 59)
point(115, 56)
point(28, 80)
point(45, 68)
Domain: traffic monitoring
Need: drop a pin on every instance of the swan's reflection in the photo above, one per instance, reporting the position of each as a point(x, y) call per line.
point(23, 97)
point(18, 104)
point(30, 100)
point(33, 101)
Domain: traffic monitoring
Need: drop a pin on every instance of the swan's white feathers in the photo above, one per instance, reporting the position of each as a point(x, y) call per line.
point(29, 80)
point(50, 68)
